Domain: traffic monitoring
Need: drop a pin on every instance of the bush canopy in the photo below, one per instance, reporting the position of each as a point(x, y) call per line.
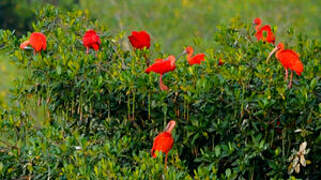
point(81, 116)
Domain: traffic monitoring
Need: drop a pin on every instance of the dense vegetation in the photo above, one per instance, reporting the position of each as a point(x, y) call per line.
point(80, 116)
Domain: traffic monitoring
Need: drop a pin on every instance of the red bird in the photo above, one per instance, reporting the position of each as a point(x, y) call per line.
point(162, 66)
point(270, 38)
point(91, 40)
point(164, 141)
point(140, 40)
point(37, 41)
point(220, 62)
point(197, 59)
point(289, 60)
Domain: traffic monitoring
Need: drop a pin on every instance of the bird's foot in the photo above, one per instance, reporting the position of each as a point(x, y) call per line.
point(163, 87)
point(286, 75)
point(290, 85)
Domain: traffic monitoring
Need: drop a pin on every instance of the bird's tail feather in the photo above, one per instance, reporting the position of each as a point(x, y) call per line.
point(148, 70)
point(298, 67)
point(152, 151)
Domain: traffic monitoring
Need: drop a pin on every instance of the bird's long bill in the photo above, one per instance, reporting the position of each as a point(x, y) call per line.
point(170, 126)
point(180, 55)
point(271, 53)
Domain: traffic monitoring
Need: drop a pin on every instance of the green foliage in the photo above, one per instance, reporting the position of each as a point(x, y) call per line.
point(8, 72)
point(86, 116)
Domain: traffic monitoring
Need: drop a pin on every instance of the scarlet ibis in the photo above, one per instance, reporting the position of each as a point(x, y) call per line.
point(162, 66)
point(139, 39)
point(220, 62)
point(91, 40)
point(289, 60)
point(270, 38)
point(164, 141)
point(37, 41)
point(197, 59)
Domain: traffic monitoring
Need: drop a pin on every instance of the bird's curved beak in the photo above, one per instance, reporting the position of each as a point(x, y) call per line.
point(271, 53)
point(170, 126)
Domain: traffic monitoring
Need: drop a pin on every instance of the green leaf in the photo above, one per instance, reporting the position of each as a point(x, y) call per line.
point(217, 150)
point(58, 69)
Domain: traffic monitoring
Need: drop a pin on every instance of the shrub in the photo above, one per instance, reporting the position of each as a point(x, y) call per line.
point(234, 121)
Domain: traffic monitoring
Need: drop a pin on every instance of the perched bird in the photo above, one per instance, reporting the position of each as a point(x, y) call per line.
point(289, 60)
point(263, 33)
point(162, 66)
point(164, 141)
point(37, 41)
point(91, 40)
point(197, 59)
point(140, 40)
point(220, 62)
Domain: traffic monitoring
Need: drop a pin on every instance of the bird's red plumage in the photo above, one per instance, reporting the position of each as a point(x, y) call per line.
point(162, 66)
point(220, 62)
point(140, 39)
point(37, 41)
point(197, 59)
point(265, 28)
point(163, 142)
point(270, 38)
point(91, 40)
point(290, 60)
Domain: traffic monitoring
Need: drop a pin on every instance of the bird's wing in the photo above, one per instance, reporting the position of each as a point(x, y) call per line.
point(159, 60)
point(270, 37)
point(197, 59)
point(298, 67)
point(259, 34)
point(163, 142)
point(86, 40)
point(97, 39)
point(91, 38)
point(291, 59)
point(293, 53)
point(266, 28)
point(160, 66)
point(95, 46)
point(37, 41)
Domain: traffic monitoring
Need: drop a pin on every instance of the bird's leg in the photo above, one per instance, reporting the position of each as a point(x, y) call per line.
point(87, 50)
point(162, 86)
point(286, 75)
point(291, 78)
point(166, 161)
point(147, 60)
point(34, 52)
